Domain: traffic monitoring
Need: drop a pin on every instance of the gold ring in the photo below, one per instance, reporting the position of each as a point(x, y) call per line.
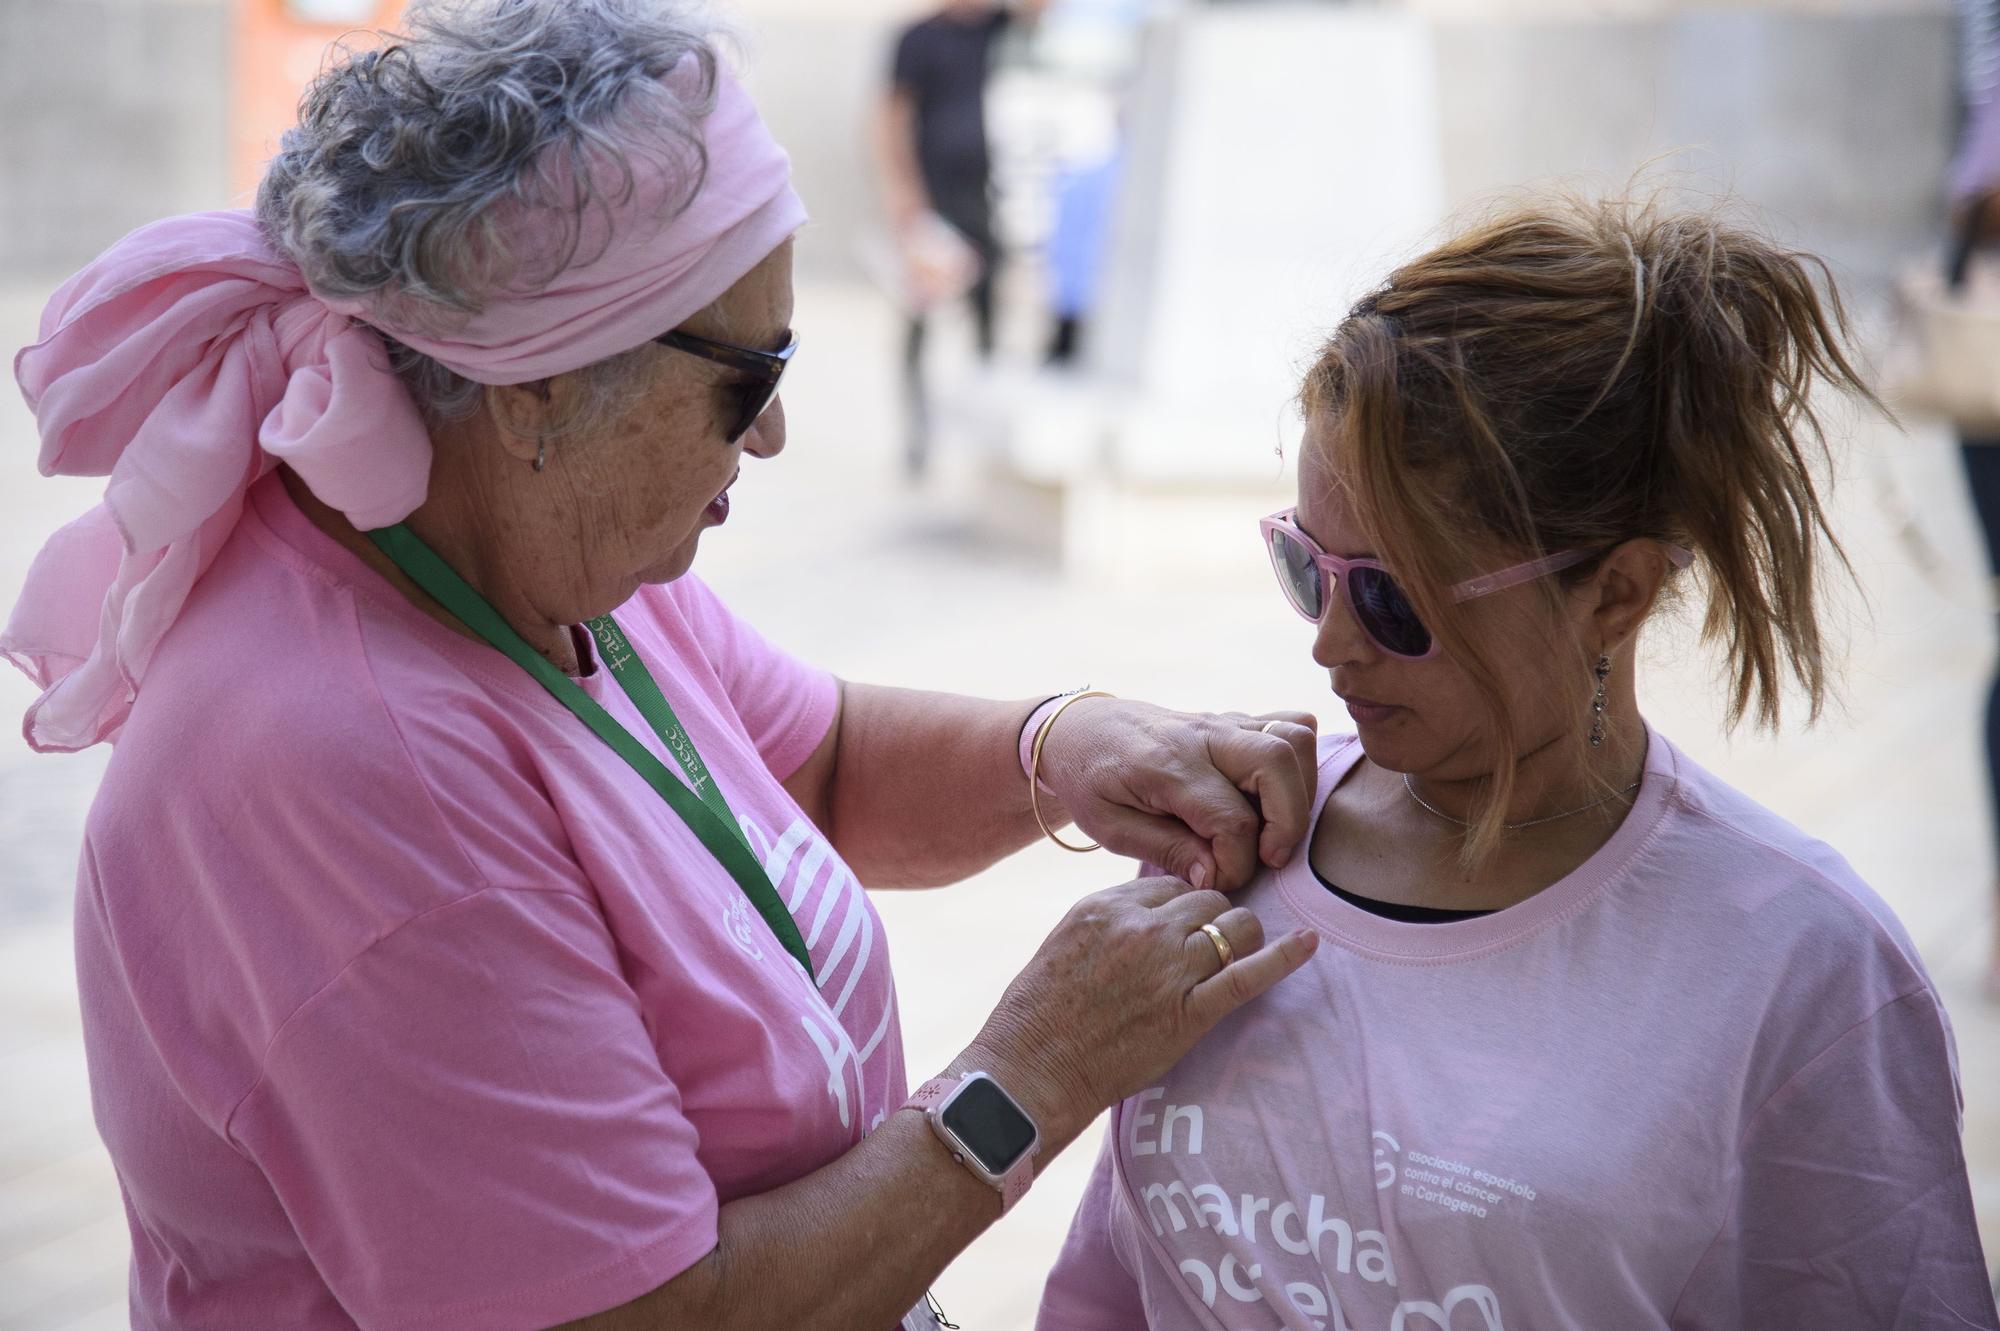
point(1223, 952)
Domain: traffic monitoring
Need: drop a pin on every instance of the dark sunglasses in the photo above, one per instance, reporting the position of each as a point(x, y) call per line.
point(1311, 577)
point(764, 370)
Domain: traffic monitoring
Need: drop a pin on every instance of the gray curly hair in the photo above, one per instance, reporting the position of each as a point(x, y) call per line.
point(389, 184)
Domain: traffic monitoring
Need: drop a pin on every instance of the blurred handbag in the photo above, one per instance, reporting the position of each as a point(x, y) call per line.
point(1945, 357)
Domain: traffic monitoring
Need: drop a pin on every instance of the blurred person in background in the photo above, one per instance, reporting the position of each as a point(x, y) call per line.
point(469, 925)
point(1974, 226)
point(1086, 200)
point(1592, 1040)
point(936, 166)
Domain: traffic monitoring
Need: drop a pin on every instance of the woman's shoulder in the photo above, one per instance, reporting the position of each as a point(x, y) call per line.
point(272, 674)
point(292, 661)
point(1338, 751)
point(294, 774)
point(1337, 743)
point(1757, 876)
point(300, 720)
point(1767, 851)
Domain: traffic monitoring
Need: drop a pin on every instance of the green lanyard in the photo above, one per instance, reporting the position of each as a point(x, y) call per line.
point(698, 801)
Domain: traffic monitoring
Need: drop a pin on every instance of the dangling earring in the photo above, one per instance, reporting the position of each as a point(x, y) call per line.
point(1597, 703)
point(541, 456)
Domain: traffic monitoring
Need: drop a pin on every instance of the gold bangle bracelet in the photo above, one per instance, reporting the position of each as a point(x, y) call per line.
point(1035, 770)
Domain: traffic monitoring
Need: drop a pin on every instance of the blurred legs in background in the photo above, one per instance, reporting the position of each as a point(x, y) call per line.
point(969, 209)
point(931, 145)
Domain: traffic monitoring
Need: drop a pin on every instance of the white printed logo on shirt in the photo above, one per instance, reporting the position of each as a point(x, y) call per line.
point(1334, 1249)
point(839, 931)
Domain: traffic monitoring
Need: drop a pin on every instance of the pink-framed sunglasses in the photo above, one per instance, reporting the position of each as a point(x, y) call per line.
point(1309, 575)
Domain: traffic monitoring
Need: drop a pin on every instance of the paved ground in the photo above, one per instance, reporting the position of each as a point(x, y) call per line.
point(832, 556)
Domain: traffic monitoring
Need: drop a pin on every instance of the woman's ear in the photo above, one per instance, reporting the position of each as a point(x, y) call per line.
point(522, 415)
point(1623, 591)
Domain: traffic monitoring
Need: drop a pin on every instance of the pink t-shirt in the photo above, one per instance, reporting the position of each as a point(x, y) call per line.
point(1701, 1082)
point(408, 1003)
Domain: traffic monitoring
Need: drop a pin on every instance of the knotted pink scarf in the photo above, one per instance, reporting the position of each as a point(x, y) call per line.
point(191, 358)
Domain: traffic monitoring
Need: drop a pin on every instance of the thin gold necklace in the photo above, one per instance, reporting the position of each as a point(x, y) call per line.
point(1431, 808)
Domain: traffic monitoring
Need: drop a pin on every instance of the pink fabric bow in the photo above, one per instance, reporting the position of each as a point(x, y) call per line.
point(191, 358)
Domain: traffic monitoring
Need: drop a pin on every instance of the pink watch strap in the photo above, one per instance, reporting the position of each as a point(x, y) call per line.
point(931, 1093)
point(1014, 1184)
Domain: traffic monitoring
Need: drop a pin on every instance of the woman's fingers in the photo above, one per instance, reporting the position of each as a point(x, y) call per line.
point(1216, 816)
point(1301, 731)
point(1208, 798)
point(1266, 765)
point(1248, 976)
point(1242, 934)
point(1166, 842)
point(1174, 900)
point(1190, 910)
point(1122, 988)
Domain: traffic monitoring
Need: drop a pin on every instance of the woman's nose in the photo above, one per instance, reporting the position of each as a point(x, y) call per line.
point(767, 437)
point(1340, 641)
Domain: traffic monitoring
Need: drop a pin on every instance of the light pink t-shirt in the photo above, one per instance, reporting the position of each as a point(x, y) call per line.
point(408, 1003)
point(1702, 1082)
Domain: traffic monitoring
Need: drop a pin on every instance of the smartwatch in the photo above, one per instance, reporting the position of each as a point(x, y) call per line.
point(984, 1129)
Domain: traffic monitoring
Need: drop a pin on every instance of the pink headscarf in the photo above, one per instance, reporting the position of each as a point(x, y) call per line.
point(191, 358)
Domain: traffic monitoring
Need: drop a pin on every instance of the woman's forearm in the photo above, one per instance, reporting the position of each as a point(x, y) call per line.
point(852, 1245)
point(927, 788)
point(921, 789)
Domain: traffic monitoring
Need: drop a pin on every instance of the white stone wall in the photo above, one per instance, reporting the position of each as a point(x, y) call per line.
point(1832, 130)
point(1286, 154)
point(115, 113)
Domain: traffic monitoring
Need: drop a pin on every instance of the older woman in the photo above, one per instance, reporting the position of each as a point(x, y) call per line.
point(469, 929)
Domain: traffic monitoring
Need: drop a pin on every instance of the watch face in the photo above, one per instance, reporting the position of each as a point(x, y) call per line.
point(992, 1128)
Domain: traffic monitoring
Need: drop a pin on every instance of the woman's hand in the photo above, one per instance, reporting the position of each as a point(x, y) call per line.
point(1116, 995)
point(1122, 989)
point(1205, 797)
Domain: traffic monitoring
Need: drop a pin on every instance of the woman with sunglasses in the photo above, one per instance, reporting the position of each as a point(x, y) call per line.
point(1591, 1040)
point(470, 930)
